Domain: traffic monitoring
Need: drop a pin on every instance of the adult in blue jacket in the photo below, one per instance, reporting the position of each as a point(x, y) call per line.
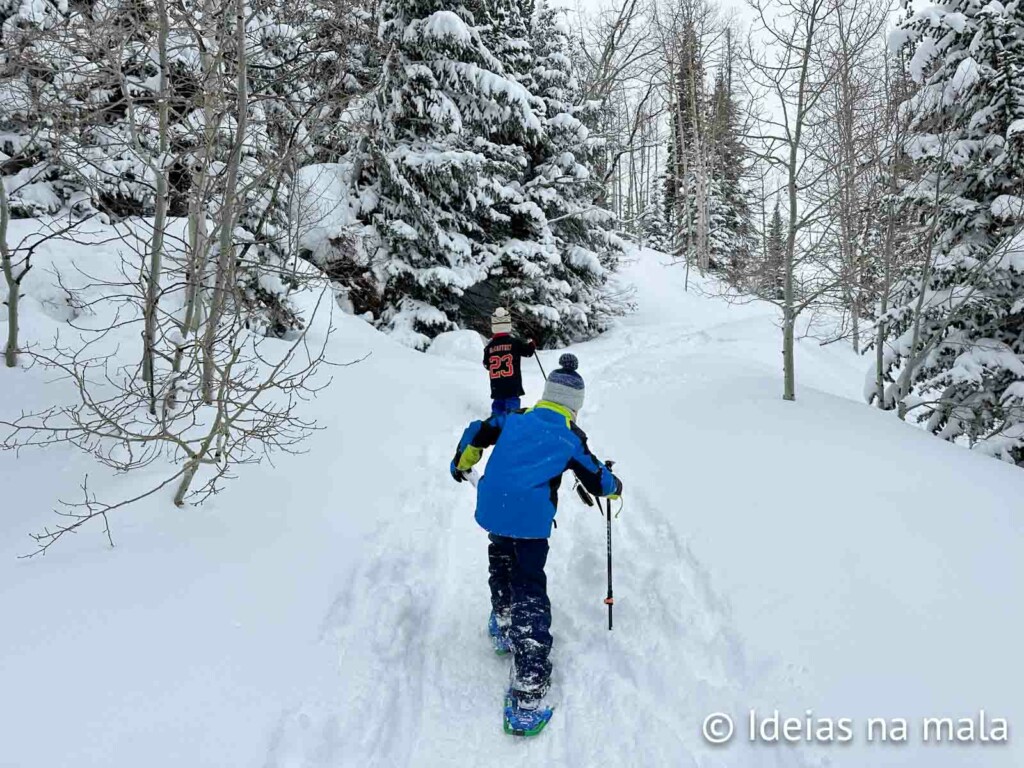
point(517, 500)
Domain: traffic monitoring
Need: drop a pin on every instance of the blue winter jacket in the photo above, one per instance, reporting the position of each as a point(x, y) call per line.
point(518, 494)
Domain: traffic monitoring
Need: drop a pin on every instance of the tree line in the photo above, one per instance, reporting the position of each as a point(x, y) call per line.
point(418, 164)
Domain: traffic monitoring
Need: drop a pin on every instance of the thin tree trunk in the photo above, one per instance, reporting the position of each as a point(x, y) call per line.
point(855, 320)
point(197, 258)
point(225, 258)
point(199, 244)
point(631, 194)
point(678, 183)
point(890, 240)
point(764, 220)
point(160, 216)
point(700, 171)
point(887, 255)
point(13, 284)
point(789, 294)
point(789, 309)
point(906, 379)
point(199, 248)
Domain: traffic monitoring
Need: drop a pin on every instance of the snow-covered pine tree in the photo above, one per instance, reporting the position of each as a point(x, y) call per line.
point(523, 255)
point(438, 163)
point(564, 188)
point(508, 36)
point(654, 230)
point(770, 279)
point(730, 240)
point(343, 33)
point(955, 333)
point(689, 112)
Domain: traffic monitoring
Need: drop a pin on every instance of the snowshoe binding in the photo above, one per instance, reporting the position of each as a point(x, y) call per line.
point(525, 718)
point(498, 638)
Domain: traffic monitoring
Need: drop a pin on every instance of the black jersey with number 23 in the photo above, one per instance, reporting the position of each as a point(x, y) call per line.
point(503, 361)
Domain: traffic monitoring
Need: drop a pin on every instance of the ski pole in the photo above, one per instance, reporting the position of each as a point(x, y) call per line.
point(542, 373)
point(609, 600)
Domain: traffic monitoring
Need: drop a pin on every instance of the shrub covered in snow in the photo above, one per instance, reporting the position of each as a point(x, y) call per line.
point(458, 345)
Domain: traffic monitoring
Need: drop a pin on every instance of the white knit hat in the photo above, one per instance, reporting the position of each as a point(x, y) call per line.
point(501, 321)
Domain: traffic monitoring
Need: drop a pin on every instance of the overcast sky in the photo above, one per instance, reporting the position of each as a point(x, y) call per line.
point(738, 7)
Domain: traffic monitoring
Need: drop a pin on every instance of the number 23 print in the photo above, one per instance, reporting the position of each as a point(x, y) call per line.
point(502, 366)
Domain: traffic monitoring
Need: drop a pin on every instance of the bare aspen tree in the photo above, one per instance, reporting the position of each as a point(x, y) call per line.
point(784, 58)
point(225, 264)
point(695, 86)
point(888, 258)
point(905, 381)
point(851, 121)
point(16, 263)
point(201, 192)
point(12, 280)
point(258, 391)
point(893, 173)
point(616, 63)
point(159, 169)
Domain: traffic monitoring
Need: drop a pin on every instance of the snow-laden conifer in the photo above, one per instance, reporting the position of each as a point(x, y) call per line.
point(954, 350)
point(440, 163)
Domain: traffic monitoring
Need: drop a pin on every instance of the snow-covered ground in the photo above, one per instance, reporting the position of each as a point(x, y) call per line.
point(330, 611)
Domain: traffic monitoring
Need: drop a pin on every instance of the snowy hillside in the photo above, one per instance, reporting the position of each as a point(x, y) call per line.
point(330, 610)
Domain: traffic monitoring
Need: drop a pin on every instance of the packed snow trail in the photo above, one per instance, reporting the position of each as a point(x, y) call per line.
point(332, 612)
point(423, 687)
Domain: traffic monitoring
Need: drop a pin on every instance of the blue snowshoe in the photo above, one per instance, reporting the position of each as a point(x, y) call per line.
point(498, 638)
point(525, 719)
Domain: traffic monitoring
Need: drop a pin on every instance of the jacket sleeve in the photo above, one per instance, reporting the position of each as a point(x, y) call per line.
point(478, 435)
point(593, 474)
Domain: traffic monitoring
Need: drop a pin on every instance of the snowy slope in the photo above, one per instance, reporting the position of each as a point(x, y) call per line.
point(330, 612)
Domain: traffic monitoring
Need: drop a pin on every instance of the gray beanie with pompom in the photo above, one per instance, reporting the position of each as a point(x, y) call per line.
point(564, 386)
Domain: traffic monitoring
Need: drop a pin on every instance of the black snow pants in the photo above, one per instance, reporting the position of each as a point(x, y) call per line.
point(519, 598)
